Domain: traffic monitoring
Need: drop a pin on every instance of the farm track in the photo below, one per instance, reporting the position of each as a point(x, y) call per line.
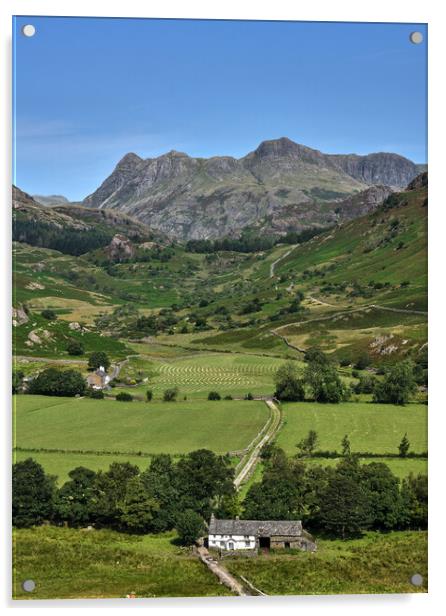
point(248, 464)
point(284, 256)
point(222, 573)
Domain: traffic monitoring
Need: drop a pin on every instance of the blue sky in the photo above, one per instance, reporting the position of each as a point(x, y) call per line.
point(87, 91)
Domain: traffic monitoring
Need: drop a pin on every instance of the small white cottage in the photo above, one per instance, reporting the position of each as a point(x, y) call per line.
point(228, 535)
point(98, 379)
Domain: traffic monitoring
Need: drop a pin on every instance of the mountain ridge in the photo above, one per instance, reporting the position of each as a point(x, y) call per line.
point(279, 185)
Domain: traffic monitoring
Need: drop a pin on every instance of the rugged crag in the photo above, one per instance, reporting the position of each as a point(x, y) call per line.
point(282, 185)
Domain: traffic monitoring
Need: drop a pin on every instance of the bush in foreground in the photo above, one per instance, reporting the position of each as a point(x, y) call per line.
point(124, 396)
point(214, 395)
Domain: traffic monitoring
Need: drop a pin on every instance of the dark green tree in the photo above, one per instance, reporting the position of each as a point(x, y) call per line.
point(109, 490)
point(33, 494)
point(414, 495)
point(384, 495)
point(202, 480)
point(74, 347)
point(149, 395)
point(345, 445)
point(281, 494)
point(74, 497)
point(214, 395)
point(98, 359)
point(345, 507)
point(324, 382)
point(289, 385)
point(308, 444)
point(190, 526)
point(404, 446)
point(160, 482)
point(49, 314)
point(138, 508)
point(397, 386)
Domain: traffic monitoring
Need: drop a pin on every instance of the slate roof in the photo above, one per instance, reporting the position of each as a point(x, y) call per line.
point(262, 528)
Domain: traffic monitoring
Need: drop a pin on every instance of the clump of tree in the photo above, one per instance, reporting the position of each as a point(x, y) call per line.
point(343, 501)
point(323, 380)
point(289, 385)
point(55, 382)
point(398, 384)
point(163, 497)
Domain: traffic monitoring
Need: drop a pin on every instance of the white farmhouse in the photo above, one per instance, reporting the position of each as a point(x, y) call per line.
point(98, 379)
point(228, 535)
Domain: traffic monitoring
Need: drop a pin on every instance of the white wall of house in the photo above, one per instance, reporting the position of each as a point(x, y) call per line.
point(232, 542)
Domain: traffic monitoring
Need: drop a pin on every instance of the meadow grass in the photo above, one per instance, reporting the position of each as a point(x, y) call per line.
point(73, 564)
point(375, 563)
point(375, 428)
point(159, 427)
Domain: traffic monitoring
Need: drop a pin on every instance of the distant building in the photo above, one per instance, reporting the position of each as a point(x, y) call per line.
point(238, 534)
point(98, 379)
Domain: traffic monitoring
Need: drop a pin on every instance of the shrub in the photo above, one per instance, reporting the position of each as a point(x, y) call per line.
point(124, 396)
point(214, 395)
point(149, 395)
point(48, 314)
point(75, 347)
point(228, 397)
point(96, 394)
point(249, 396)
point(170, 395)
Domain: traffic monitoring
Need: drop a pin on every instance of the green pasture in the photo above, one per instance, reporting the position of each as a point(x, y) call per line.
point(74, 564)
point(375, 428)
point(375, 563)
point(86, 425)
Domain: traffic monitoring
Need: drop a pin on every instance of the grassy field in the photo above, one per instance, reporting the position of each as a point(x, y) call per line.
point(373, 564)
point(90, 426)
point(197, 374)
point(69, 564)
point(376, 428)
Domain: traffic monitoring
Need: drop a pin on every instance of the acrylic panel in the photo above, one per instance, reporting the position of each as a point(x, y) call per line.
point(219, 308)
